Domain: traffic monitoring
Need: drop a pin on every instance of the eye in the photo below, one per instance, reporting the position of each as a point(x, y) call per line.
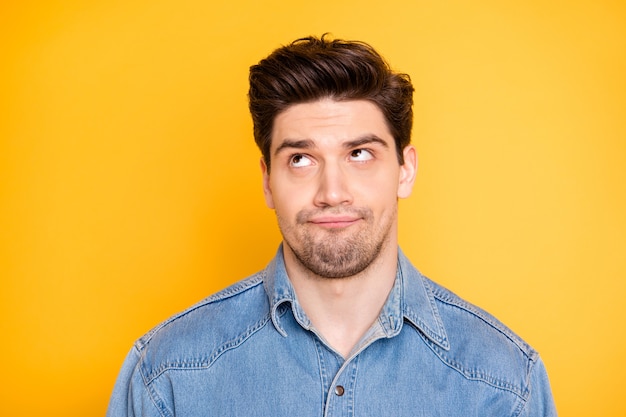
point(361, 155)
point(299, 161)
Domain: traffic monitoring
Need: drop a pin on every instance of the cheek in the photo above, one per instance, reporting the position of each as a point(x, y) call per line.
point(379, 186)
point(289, 198)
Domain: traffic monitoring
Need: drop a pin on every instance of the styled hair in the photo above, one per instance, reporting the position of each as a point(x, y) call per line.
point(311, 69)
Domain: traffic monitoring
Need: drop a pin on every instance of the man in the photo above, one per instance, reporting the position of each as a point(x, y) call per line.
point(339, 323)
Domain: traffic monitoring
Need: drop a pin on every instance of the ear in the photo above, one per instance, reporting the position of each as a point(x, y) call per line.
point(267, 191)
point(408, 171)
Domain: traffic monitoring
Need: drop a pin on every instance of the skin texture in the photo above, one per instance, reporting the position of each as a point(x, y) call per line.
point(334, 185)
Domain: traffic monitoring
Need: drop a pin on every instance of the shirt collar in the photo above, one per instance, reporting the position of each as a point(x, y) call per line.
point(418, 302)
point(411, 298)
point(281, 293)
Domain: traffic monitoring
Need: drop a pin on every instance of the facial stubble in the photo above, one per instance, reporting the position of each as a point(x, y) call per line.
point(337, 253)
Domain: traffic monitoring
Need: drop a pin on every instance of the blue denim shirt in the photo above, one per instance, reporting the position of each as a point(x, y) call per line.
point(250, 350)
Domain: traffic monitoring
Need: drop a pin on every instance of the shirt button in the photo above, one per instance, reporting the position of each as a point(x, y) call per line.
point(339, 390)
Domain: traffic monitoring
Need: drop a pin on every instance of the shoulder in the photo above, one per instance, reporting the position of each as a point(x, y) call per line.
point(480, 346)
point(464, 319)
point(196, 337)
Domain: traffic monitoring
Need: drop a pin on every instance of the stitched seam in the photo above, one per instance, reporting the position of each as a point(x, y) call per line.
point(158, 402)
point(435, 311)
point(231, 291)
point(473, 374)
point(454, 301)
point(207, 362)
point(423, 327)
point(527, 393)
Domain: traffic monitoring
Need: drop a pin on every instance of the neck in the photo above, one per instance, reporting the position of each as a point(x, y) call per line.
point(343, 309)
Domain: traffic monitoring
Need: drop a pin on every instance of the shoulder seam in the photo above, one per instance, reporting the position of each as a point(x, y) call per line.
point(453, 300)
point(476, 375)
point(232, 290)
point(208, 361)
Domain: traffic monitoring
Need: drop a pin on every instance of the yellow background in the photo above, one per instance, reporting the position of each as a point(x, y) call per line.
point(130, 188)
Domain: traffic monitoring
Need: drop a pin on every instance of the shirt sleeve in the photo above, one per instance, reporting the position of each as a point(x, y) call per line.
point(540, 403)
point(130, 397)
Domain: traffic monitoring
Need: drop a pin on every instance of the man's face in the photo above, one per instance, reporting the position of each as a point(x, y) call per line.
point(334, 184)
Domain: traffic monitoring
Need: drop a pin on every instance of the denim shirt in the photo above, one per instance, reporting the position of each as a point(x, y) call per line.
point(250, 350)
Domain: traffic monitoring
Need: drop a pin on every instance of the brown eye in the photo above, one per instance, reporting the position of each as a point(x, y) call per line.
point(299, 160)
point(361, 155)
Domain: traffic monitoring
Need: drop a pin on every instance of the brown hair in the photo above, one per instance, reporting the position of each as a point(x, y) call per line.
point(313, 68)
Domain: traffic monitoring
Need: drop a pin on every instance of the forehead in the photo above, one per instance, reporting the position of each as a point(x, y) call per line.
point(329, 119)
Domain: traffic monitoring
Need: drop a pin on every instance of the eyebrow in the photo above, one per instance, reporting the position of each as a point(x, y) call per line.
point(365, 140)
point(295, 144)
point(309, 144)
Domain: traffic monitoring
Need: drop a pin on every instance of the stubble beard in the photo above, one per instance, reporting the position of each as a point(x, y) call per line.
point(337, 253)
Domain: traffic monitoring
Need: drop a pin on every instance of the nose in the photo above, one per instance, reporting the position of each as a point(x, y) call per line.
point(333, 188)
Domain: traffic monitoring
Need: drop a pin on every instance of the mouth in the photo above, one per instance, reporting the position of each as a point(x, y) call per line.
point(334, 222)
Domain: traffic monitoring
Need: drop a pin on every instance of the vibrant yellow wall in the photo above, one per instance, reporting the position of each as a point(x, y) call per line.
point(130, 188)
